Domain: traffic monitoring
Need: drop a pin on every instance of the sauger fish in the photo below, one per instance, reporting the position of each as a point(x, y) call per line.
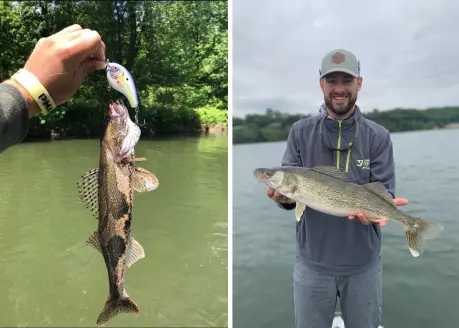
point(108, 193)
point(328, 190)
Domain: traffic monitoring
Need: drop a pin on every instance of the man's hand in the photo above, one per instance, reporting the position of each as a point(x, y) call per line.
point(275, 196)
point(364, 219)
point(62, 61)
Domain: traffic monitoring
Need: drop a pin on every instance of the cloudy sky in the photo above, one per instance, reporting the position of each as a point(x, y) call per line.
point(408, 52)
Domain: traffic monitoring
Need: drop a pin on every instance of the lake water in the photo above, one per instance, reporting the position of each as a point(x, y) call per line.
point(49, 278)
point(417, 292)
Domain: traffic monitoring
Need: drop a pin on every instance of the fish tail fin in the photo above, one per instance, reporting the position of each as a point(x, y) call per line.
point(114, 307)
point(418, 232)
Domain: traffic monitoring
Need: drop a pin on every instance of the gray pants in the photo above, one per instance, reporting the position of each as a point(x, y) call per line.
point(315, 296)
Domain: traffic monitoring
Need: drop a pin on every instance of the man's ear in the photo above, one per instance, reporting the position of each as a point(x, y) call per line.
point(359, 83)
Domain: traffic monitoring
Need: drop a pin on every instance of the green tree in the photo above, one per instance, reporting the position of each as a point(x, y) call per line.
point(177, 52)
point(275, 125)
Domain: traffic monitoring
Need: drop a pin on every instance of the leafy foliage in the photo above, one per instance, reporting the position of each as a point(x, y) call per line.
point(212, 115)
point(175, 50)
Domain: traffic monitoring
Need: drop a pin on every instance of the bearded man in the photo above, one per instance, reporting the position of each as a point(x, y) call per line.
point(338, 257)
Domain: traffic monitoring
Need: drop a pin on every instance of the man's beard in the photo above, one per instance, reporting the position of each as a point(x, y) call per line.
point(341, 109)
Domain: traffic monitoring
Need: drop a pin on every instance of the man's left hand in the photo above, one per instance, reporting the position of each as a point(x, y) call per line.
point(364, 219)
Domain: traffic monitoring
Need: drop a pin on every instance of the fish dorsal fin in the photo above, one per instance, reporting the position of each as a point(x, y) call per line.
point(143, 180)
point(379, 189)
point(330, 171)
point(134, 252)
point(88, 190)
point(299, 211)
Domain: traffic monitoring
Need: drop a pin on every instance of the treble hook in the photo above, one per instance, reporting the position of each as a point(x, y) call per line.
point(137, 118)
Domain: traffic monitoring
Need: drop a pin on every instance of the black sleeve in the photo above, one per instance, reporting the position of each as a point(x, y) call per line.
point(14, 116)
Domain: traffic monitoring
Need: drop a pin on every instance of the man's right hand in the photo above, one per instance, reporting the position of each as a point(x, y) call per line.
point(62, 61)
point(278, 198)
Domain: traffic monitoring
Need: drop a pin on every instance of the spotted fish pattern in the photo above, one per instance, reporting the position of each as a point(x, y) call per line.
point(108, 192)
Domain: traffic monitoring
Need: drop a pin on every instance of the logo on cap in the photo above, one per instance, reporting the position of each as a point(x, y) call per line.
point(338, 58)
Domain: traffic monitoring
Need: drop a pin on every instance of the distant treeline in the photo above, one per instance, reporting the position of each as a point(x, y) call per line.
point(177, 52)
point(275, 125)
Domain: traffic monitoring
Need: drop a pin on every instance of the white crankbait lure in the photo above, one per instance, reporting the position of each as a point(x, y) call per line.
point(121, 80)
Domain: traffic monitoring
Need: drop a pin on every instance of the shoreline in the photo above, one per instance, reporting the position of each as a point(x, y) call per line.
point(447, 127)
point(207, 130)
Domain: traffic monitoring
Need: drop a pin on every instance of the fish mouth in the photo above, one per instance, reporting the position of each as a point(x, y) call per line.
point(115, 109)
point(263, 174)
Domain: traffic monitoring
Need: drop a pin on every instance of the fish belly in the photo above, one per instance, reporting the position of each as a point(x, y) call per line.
point(325, 208)
point(333, 203)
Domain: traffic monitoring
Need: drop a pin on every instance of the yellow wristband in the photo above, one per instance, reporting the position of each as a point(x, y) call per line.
point(36, 90)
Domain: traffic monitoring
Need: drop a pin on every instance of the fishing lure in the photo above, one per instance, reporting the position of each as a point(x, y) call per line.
point(121, 80)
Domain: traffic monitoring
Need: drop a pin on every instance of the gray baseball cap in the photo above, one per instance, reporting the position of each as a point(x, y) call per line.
point(340, 60)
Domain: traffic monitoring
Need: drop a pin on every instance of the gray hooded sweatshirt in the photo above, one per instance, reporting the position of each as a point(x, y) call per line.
point(14, 116)
point(324, 242)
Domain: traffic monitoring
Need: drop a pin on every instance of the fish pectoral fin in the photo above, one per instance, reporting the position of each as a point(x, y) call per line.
point(134, 252)
point(299, 209)
point(330, 171)
point(132, 160)
point(379, 189)
point(94, 242)
point(88, 187)
point(143, 180)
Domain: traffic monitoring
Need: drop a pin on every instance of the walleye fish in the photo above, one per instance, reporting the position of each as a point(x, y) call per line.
point(107, 192)
point(328, 190)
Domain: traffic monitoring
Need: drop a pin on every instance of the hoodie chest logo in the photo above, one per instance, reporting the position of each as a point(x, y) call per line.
point(364, 164)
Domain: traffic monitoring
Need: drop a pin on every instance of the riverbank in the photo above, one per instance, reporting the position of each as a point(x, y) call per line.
point(214, 129)
point(454, 126)
point(207, 130)
point(77, 123)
